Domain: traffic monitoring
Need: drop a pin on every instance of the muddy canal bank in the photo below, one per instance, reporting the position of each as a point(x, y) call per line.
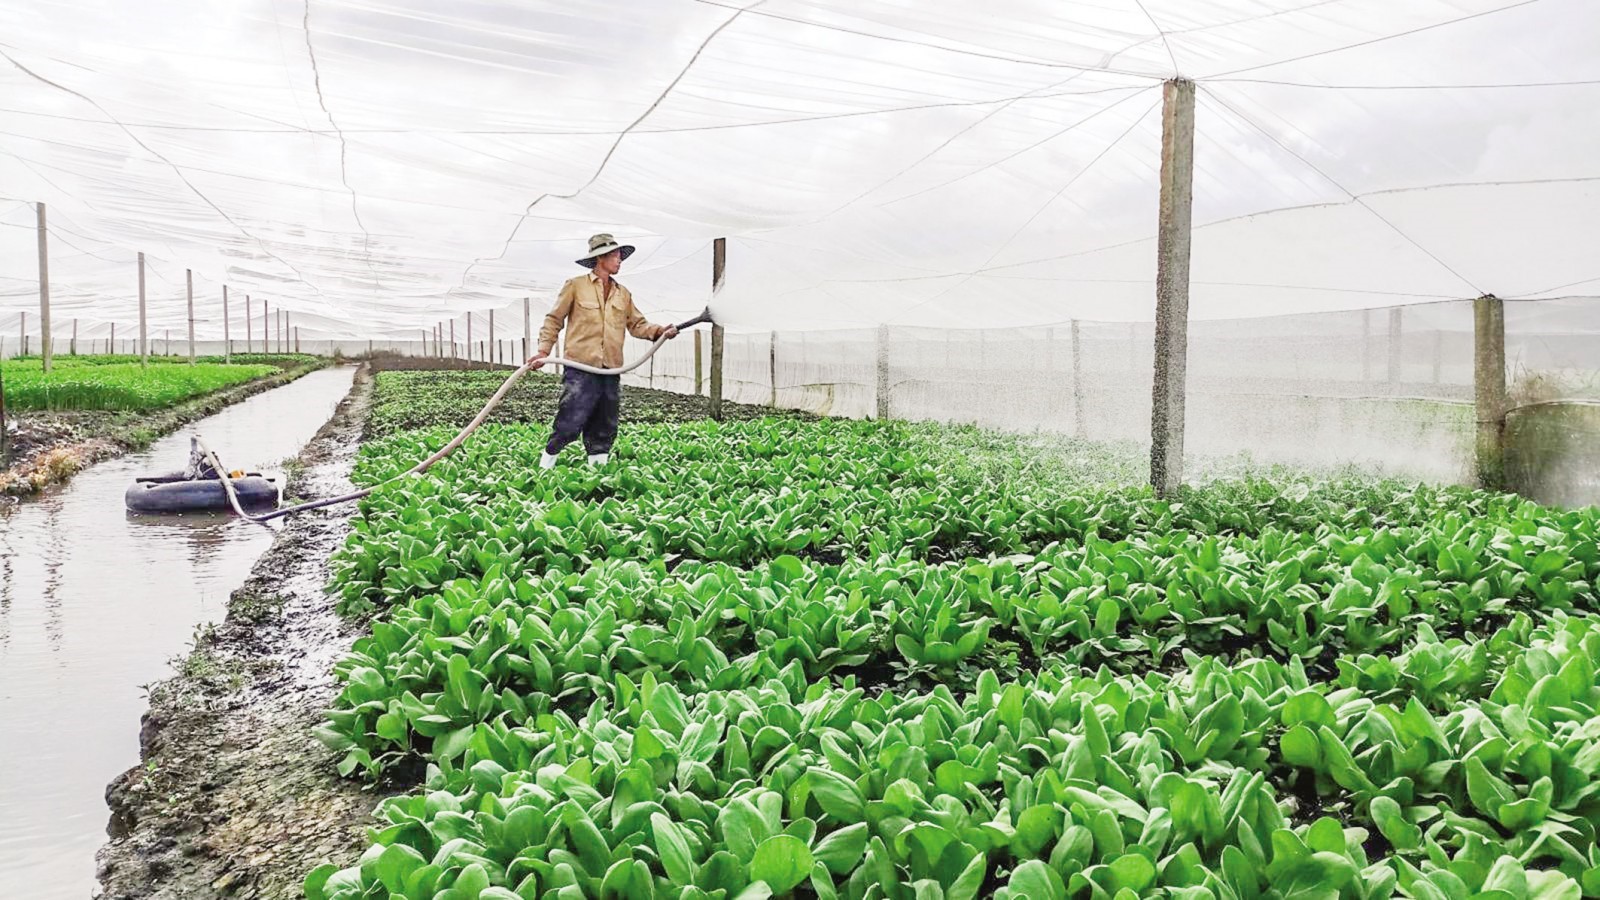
point(234, 798)
point(50, 447)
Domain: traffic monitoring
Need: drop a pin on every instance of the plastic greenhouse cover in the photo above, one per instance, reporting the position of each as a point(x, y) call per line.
point(373, 166)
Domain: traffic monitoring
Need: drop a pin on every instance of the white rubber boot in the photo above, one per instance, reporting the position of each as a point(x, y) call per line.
point(547, 461)
point(598, 459)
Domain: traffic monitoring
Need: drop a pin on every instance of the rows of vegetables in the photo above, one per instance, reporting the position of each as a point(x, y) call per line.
point(838, 659)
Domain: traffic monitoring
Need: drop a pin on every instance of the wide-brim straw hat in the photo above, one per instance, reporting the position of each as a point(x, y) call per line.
point(600, 245)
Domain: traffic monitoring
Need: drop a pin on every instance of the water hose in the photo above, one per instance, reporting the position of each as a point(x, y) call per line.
point(447, 449)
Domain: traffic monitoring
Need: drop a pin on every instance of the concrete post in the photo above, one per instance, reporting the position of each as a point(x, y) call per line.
point(22, 329)
point(144, 343)
point(527, 329)
point(489, 346)
point(1079, 428)
point(1366, 346)
point(1489, 389)
point(452, 339)
point(45, 348)
point(719, 258)
point(188, 277)
point(772, 368)
point(1172, 286)
point(74, 349)
point(266, 327)
point(883, 373)
point(469, 337)
point(1395, 369)
point(698, 386)
point(227, 342)
point(5, 442)
point(249, 336)
point(297, 339)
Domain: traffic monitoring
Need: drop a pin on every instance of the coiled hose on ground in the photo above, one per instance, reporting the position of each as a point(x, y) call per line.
point(447, 449)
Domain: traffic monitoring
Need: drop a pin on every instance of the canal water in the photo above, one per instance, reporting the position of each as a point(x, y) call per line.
point(94, 604)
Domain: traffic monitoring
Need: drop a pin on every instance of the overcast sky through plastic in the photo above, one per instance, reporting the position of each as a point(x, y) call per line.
point(375, 167)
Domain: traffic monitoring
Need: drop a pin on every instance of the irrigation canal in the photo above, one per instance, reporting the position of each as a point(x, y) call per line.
point(94, 603)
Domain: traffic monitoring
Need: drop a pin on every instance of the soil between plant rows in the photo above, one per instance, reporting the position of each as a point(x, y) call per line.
point(235, 798)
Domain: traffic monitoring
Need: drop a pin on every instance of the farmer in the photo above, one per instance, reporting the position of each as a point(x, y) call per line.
point(594, 308)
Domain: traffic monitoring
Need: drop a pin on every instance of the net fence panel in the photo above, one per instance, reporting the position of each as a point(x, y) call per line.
point(1385, 391)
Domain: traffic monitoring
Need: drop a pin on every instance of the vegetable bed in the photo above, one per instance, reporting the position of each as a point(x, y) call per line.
point(115, 383)
point(842, 659)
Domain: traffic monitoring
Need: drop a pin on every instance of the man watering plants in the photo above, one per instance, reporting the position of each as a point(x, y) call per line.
point(594, 308)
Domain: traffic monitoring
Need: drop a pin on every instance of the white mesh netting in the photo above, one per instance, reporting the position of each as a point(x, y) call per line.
point(975, 176)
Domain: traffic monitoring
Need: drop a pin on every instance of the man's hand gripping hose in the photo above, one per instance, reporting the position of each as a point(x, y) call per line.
point(455, 442)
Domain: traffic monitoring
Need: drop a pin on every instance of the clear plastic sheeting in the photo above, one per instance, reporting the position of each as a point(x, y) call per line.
point(375, 168)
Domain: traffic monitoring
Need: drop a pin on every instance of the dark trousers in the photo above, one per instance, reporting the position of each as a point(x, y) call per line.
point(589, 406)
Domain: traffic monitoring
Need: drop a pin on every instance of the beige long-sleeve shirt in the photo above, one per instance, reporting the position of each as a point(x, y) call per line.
point(594, 319)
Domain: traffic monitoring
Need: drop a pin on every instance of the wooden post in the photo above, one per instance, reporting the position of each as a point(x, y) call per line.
point(883, 373)
point(227, 342)
point(772, 368)
point(527, 328)
point(44, 291)
point(1172, 286)
point(1078, 426)
point(1489, 389)
point(699, 387)
point(719, 258)
point(249, 337)
point(74, 350)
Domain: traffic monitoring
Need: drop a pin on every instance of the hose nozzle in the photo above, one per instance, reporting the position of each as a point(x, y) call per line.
point(704, 316)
